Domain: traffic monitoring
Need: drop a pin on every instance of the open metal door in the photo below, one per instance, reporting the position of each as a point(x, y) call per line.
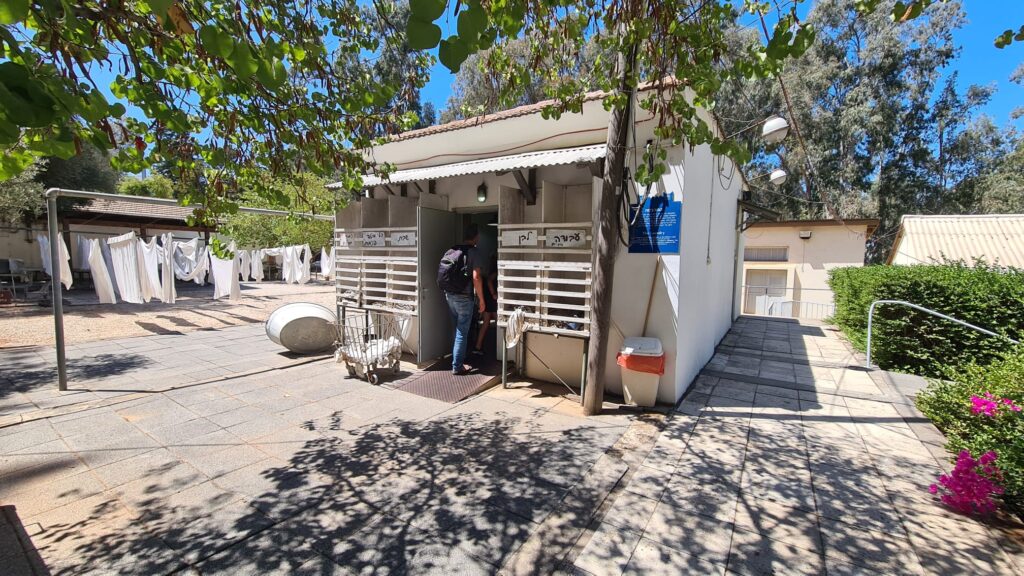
point(437, 232)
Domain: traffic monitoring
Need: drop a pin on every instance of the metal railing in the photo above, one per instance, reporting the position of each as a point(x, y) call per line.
point(801, 309)
point(871, 315)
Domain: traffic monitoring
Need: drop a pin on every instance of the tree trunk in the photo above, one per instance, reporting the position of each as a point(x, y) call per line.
point(606, 241)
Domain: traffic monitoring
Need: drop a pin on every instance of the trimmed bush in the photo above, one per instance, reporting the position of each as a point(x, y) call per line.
point(978, 409)
point(909, 340)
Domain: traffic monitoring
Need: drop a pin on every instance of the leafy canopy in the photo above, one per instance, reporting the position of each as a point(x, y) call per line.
point(225, 91)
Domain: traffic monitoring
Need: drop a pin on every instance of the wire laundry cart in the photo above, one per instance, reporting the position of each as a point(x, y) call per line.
point(371, 342)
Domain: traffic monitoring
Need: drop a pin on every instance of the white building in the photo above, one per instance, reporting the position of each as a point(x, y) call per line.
point(786, 264)
point(530, 184)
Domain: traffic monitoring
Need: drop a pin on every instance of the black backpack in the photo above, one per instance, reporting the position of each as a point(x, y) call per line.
point(453, 274)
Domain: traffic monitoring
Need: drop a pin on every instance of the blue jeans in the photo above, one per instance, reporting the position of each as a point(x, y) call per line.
point(461, 308)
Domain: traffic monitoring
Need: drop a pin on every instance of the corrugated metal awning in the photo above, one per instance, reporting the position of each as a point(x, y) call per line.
point(997, 238)
point(496, 164)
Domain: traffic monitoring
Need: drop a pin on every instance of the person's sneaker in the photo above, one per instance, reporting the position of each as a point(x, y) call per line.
point(466, 368)
point(476, 352)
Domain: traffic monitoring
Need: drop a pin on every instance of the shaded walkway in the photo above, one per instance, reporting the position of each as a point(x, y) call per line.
point(787, 457)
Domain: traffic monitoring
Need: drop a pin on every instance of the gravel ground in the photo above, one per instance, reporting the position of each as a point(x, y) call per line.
point(194, 310)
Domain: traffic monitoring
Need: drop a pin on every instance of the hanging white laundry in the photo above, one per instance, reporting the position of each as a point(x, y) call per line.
point(167, 291)
point(256, 262)
point(307, 260)
point(327, 262)
point(277, 254)
point(65, 259)
point(190, 262)
point(288, 267)
point(225, 277)
point(149, 269)
point(243, 264)
point(125, 257)
point(100, 273)
point(83, 247)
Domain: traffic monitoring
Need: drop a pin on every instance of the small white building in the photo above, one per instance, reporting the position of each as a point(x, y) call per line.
point(532, 186)
point(995, 238)
point(786, 264)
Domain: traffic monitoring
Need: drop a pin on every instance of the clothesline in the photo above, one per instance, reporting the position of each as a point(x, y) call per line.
point(140, 271)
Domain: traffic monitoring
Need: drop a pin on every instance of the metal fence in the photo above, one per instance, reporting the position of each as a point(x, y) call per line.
point(800, 309)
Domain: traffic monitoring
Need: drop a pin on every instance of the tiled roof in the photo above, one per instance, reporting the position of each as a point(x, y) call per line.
point(998, 238)
point(135, 209)
point(526, 110)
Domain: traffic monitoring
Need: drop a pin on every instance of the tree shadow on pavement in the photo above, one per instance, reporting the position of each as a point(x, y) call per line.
point(23, 373)
point(456, 494)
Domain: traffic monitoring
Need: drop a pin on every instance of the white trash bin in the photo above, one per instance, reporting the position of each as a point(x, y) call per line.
point(640, 386)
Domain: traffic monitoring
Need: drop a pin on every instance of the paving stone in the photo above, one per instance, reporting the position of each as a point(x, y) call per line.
point(702, 536)
point(215, 463)
point(852, 545)
point(755, 554)
point(649, 482)
point(272, 552)
point(631, 511)
point(609, 550)
point(653, 559)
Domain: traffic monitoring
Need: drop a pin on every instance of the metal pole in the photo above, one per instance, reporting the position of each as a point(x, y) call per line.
point(871, 313)
point(504, 361)
point(55, 279)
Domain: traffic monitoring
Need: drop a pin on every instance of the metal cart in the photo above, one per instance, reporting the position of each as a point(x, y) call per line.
point(371, 342)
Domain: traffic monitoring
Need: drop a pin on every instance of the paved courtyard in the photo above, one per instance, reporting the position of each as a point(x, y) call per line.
point(213, 452)
point(788, 458)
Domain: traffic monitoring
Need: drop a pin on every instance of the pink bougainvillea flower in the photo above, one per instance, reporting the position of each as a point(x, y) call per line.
point(969, 488)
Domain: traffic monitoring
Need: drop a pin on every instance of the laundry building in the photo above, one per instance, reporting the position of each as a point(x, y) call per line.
point(531, 185)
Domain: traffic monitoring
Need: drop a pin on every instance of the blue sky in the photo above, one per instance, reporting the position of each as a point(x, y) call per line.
point(980, 62)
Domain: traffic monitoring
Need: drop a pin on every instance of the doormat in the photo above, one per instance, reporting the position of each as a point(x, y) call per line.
point(438, 383)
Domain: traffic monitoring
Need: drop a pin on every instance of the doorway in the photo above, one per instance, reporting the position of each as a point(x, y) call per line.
point(763, 288)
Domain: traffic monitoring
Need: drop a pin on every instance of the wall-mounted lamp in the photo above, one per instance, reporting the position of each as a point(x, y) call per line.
point(777, 177)
point(481, 192)
point(805, 234)
point(775, 129)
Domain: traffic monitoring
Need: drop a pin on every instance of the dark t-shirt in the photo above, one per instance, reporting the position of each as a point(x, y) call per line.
point(472, 263)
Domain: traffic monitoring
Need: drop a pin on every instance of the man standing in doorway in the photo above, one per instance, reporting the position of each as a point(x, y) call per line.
point(460, 278)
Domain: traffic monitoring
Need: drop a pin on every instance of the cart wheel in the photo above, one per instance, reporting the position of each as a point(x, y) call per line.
point(373, 378)
point(351, 371)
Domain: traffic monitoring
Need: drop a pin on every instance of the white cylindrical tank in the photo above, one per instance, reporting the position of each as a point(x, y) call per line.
point(303, 327)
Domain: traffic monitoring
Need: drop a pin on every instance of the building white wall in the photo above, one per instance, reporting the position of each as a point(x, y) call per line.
point(831, 245)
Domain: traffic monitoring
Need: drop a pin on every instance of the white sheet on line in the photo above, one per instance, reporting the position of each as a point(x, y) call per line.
point(149, 269)
point(125, 258)
point(243, 264)
point(190, 261)
point(167, 291)
point(327, 262)
point(256, 263)
point(307, 260)
point(65, 259)
point(100, 273)
point(225, 277)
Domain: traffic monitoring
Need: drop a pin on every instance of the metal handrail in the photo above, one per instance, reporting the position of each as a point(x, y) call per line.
point(804, 305)
point(871, 314)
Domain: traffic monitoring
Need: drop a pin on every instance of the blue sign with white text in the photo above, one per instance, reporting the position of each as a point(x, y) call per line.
point(656, 229)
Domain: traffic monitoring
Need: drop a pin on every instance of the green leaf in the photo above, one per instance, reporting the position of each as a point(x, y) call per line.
point(427, 10)
point(22, 99)
point(9, 132)
point(14, 162)
point(13, 11)
point(216, 42)
point(472, 22)
point(160, 7)
point(243, 62)
point(422, 35)
point(272, 73)
point(452, 53)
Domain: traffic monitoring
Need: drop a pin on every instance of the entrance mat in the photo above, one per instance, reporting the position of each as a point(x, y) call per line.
point(438, 382)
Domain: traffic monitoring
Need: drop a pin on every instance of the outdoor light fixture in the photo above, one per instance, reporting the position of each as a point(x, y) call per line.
point(778, 177)
point(775, 129)
point(481, 192)
point(805, 234)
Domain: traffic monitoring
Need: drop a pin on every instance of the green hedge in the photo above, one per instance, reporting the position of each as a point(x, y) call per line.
point(948, 404)
point(905, 339)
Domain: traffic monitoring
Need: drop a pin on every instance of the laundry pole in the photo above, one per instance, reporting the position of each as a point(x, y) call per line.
point(51, 222)
point(57, 292)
